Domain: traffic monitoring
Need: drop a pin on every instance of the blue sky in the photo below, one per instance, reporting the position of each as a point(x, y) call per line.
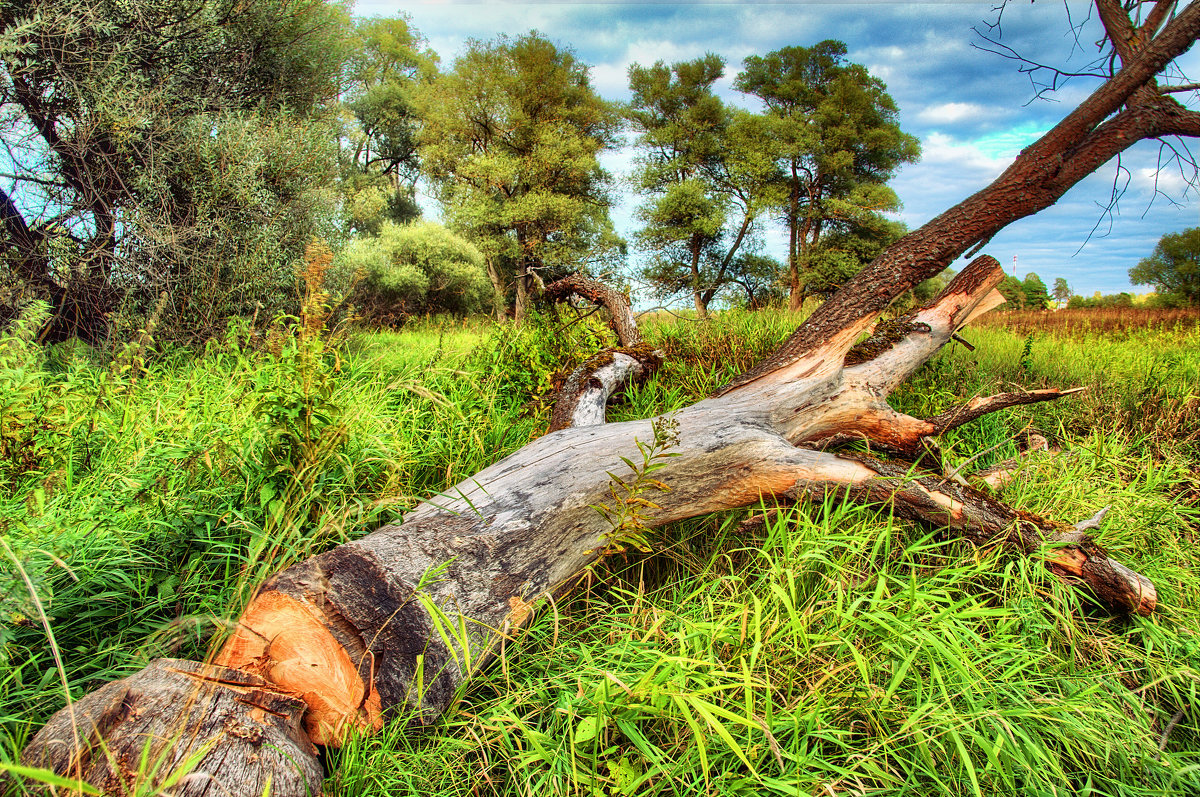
point(972, 109)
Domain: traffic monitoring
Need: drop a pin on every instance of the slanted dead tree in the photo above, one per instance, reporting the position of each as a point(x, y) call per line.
point(390, 625)
point(584, 396)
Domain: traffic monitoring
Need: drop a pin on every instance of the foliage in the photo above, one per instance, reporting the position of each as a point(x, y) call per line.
point(388, 59)
point(758, 276)
point(1027, 293)
point(628, 509)
point(1062, 291)
point(30, 416)
point(1035, 293)
point(529, 362)
point(1173, 268)
point(411, 269)
point(843, 254)
point(1013, 291)
point(159, 145)
point(704, 172)
point(837, 139)
point(1122, 299)
point(512, 133)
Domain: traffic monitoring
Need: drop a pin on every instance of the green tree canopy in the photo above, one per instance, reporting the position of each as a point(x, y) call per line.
point(1062, 291)
point(705, 172)
point(389, 59)
point(511, 137)
point(838, 142)
point(164, 145)
point(1036, 297)
point(1013, 292)
point(1173, 268)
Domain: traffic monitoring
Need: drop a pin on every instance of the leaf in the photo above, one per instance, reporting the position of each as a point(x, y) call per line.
point(49, 778)
point(588, 729)
point(625, 774)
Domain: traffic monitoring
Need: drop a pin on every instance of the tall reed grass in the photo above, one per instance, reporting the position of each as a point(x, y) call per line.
point(826, 650)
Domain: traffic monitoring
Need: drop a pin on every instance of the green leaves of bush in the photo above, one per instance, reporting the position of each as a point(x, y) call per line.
point(412, 269)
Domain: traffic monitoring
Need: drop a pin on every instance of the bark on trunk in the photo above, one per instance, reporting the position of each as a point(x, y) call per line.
point(582, 400)
point(206, 731)
point(390, 625)
point(499, 291)
point(616, 303)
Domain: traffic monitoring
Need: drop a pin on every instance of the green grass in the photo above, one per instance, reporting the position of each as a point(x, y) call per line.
point(830, 649)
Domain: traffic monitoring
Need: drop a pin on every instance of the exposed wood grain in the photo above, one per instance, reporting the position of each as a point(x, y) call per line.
point(212, 731)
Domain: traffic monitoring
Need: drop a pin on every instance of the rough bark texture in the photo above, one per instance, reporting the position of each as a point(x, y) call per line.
point(584, 397)
point(210, 732)
point(612, 300)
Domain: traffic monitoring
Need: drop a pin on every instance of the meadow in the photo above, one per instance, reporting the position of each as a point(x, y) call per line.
point(820, 649)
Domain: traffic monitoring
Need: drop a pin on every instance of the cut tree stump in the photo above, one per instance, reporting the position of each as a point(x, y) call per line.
point(390, 625)
point(206, 731)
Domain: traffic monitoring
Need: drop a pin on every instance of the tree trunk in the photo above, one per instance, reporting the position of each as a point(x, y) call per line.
point(584, 396)
point(499, 292)
point(523, 280)
point(389, 625)
point(697, 288)
point(211, 731)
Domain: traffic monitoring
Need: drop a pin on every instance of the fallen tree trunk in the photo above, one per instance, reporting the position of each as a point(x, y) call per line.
point(584, 396)
point(391, 624)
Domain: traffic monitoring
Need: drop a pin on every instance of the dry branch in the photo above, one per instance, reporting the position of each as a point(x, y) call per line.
point(584, 396)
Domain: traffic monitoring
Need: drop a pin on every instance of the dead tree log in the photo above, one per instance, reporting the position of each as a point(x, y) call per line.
point(585, 394)
point(238, 729)
point(391, 624)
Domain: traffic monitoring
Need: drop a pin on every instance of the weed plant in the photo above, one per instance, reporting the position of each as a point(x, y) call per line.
point(823, 650)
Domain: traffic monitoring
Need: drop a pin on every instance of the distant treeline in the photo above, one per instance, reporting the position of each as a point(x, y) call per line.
point(181, 156)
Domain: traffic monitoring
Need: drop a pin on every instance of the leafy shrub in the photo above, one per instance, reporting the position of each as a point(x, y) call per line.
point(410, 270)
point(531, 360)
point(30, 407)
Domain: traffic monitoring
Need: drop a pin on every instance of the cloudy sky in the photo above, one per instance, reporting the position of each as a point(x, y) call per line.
point(973, 110)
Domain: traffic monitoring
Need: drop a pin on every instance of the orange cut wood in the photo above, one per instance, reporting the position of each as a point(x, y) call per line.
point(285, 640)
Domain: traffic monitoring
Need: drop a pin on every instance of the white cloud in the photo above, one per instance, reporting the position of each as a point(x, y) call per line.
point(1168, 180)
point(952, 112)
point(947, 153)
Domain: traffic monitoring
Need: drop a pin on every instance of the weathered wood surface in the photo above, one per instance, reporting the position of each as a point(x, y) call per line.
point(525, 526)
point(229, 731)
point(354, 632)
point(584, 396)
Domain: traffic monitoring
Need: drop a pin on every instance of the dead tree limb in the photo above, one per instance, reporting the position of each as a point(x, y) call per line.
point(611, 299)
point(585, 394)
point(391, 624)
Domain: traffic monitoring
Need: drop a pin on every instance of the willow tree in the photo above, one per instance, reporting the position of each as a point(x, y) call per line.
point(838, 142)
point(389, 59)
point(511, 137)
point(706, 172)
point(390, 624)
point(163, 146)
